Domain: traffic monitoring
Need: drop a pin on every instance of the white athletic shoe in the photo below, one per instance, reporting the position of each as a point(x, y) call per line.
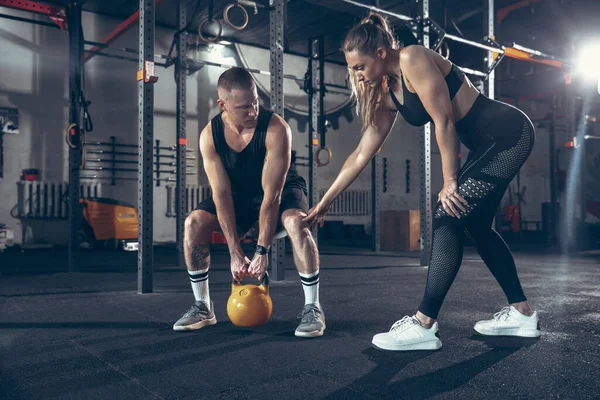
point(408, 334)
point(510, 322)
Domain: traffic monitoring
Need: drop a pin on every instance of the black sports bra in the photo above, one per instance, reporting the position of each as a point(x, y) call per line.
point(413, 110)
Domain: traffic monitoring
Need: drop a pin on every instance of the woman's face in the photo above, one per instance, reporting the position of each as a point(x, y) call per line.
point(368, 69)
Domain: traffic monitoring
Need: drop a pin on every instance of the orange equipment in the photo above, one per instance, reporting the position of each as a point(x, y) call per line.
point(109, 220)
point(250, 305)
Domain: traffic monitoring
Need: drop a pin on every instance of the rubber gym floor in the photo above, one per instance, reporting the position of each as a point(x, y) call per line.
point(89, 335)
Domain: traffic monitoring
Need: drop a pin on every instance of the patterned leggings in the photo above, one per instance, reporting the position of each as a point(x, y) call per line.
point(500, 138)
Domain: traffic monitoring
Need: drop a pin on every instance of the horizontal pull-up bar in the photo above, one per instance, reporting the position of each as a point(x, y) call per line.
point(268, 73)
point(472, 71)
point(380, 10)
point(96, 143)
point(123, 178)
point(125, 58)
point(123, 49)
point(474, 44)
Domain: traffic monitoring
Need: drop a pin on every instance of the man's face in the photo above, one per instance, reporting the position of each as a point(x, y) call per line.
point(242, 106)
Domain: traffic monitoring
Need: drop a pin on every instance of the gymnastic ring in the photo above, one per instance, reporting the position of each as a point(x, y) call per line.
point(68, 136)
point(446, 50)
point(217, 36)
point(329, 156)
point(226, 16)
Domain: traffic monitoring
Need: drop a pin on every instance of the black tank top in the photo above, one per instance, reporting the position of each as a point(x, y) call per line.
point(413, 110)
point(245, 168)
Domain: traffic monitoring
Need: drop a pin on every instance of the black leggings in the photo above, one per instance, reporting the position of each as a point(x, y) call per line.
point(500, 139)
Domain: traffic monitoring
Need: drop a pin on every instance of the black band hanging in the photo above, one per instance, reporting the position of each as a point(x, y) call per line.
point(87, 117)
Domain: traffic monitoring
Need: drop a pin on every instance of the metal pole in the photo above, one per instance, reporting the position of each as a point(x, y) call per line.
point(581, 230)
point(181, 130)
point(375, 188)
point(313, 137)
point(320, 86)
point(145, 140)
point(75, 86)
point(552, 229)
point(379, 10)
point(474, 44)
point(567, 217)
point(473, 72)
point(489, 83)
point(425, 158)
point(31, 21)
point(277, 27)
point(489, 24)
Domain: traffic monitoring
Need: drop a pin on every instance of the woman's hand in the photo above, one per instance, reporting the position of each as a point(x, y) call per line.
point(316, 215)
point(451, 200)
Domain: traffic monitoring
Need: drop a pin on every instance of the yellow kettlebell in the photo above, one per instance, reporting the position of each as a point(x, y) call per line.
point(250, 305)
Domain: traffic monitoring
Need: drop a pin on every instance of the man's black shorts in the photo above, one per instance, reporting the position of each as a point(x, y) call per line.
point(247, 210)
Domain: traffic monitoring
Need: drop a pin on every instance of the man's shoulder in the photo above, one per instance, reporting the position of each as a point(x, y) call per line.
point(205, 138)
point(206, 131)
point(278, 125)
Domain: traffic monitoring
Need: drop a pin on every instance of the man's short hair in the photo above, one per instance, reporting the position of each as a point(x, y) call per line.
point(235, 78)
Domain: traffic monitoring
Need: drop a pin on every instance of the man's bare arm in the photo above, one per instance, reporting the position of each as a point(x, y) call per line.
point(221, 189)
point(277, 163)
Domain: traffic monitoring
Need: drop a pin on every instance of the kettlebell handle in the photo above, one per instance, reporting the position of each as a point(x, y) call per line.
point(264, 282)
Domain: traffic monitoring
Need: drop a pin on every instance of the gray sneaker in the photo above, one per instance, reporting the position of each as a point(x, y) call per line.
point(312, 322)
point(196, 317)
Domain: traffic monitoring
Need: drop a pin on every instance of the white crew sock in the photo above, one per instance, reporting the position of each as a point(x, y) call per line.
point(199, 281)
point(310, 284)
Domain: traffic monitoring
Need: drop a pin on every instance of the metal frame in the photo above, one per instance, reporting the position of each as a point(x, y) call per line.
point(566, 215)
point(75, 117)
point(491, 63)
point(581, 234)
point(425, 160)
point(181, 143)
point(375, 201)
point(146, 144)
point(552, 229)
point(315, 48)
point(277, 28)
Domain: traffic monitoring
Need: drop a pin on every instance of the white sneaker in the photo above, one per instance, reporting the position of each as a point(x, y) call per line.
point(510, 322)
point(408, 334)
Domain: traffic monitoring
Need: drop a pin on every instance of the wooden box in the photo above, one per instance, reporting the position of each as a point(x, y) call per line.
point(400, 230)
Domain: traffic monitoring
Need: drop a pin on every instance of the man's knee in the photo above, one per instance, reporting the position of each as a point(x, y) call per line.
point(293, 224)
point(199, 222)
